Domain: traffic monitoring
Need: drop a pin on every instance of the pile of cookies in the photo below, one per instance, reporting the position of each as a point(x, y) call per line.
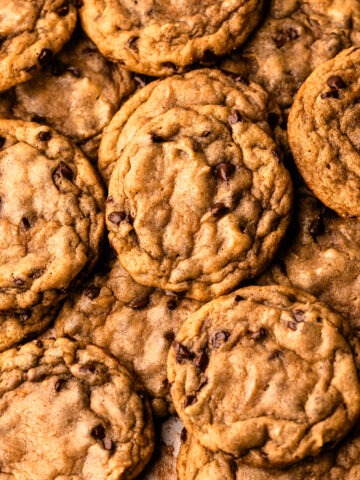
point(179, 231)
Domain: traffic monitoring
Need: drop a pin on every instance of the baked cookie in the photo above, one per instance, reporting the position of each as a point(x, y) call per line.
point(203, 87)
point(324, 132)
point(295, 37)
point(31, 32)
point(51, 216)
point(70, 412)
point(197, 463)
point(161, 38)
point(92, 90)
point(320, 254)
point(134, 323)
point(298, 394)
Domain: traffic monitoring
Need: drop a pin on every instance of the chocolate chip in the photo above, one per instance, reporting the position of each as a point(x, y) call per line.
point(219, 338)
point(181, 352)
point(116, 217)
point(139, 302)
point(25, 223)
point(183, 435)
point(284, 36)
point(59, 385)
point(45, 57)
point(39, 343)
point(273, 119)
point(224, 171)
point(98, 432)
point(190, 400)
point(157, 138)
point(235, 117)
point(172, 304)
point(330, 94)
point(316, 227)
point(274, 354)
point(201, 360)
point(219, 209)
point(298, 315)
point(204, 381)
point(336, 82)
point(24, 316)
point(63, 10)
point(2, 141)
point(44, 136)
point(239, 298)
point(259, 335)
point(208, 57)
point(206, 133)
point(292, 325)
point(63, 170)
point(36, 274)
point(19, 282)
point(108, 444)
point(169, 336)
point(132, 43)
point(92, 292)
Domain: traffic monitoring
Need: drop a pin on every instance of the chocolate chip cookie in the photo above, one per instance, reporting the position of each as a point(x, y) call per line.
point(295, 37)
point(266, 374)
point(51, 219)
point(70, 412)
point(134, 323)
point(31, 32)
point(320, 254)
point(77, 94)
point(197, 463)
point(162, 38)
point(324, 132)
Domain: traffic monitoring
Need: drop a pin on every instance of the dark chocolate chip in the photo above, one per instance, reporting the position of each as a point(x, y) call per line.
point(45, 57)
point(19, 282)
point(108, 444)
point(219, 338)
point(239, 298)
point(330, 94)
point(201, 360)
point(59, 385)
point(336, 82)
point(224, 171)
point(36, 274)
point(63, 10)
point(219, 209)
point(235, 117)
point(273, 119)
point(190, 400)
point(139, 302)
point(92, 292)
point(63, 170)
point(292, 325)
point(39, 343)
point(181, 352)
point(132, 43)
point(44, 136)
point(25, 223)
point(98, 432)
point(258, 335)
point(274, 354)
point(2, 141)
point(116, 217)
point(284, 36)
point(183, 435)
point(172, 304)
point(298, 315)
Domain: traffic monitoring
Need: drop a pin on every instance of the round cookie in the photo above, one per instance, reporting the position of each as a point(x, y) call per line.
point(91, 92)
point(51, 216)
point(197, 463)
point(31, 31)
point(295, 37)
point(162, 38)
point(323, 132)
point(134, 323)
point(70, 412)
point(321, 255)
point(198, 88)
point(265, 373)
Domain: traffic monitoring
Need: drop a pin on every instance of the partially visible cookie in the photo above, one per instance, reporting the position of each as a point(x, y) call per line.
point(266, 374)
point(31, 32)
point(295, 37)
point(161, 38)
point(324, 132)
point(134, 323)
point(51, 216)
point(77, 94)
point(70, 412)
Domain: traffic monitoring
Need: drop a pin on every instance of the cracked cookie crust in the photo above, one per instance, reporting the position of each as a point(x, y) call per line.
point(31, 32)
point(51, 216)
point(324, 133)
point(266, 373)
point(163, 37)
point(70, 412)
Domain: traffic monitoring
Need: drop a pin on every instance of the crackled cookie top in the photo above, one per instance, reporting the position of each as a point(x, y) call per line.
point(134, 323)
point(70, 412)
point(265, 372)
point(198, 88)
point(295, 37)
point(51, 215)
point(31, 32)
point(77, 94)
point(320, 254)
point(324, 132)
point(198, 463)
point(198, 201)
point(162, 37)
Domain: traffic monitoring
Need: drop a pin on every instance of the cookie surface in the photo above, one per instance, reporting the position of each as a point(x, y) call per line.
point(323, 132)
point(291, 400)
point(162, 38)
point(134, 323)
point(70, 412)
point(51, 216)
point(77, 94)
point(295, 37)
point(31, 33)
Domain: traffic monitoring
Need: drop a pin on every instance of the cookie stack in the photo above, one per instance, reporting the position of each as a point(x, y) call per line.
point(160, 251)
